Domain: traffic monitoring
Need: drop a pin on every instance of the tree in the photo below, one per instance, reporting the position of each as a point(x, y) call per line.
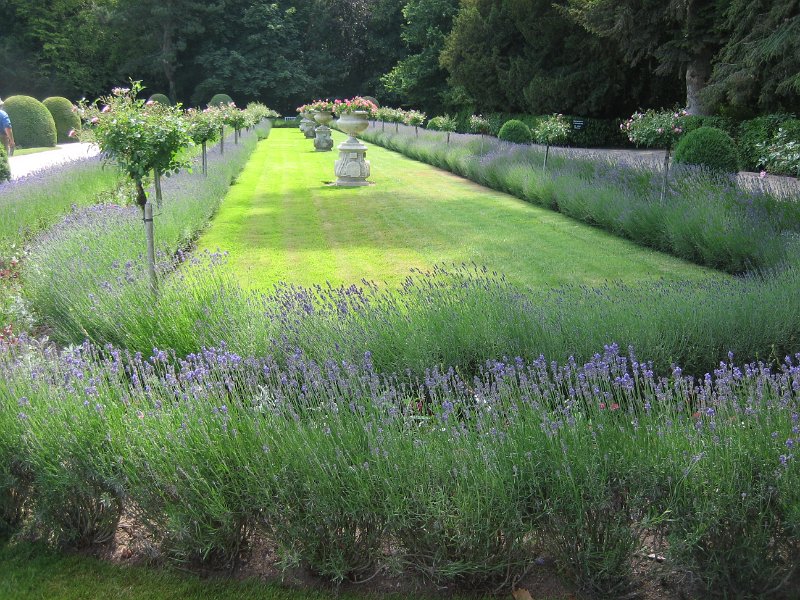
point(57, 47)
point(759, 64)
point(679, 34)
point(157, 33)
point(528, 56)
point(419, 79)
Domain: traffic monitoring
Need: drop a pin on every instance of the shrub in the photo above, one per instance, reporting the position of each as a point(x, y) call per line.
point(782, 154)
point(33, 124)
point(442, 123)
point(479, 124)
point(220, 99)
point(5, 169)
point(64, 116)
point(515, 131)
point(709, 147)
point(760, 130)
point(160, 98)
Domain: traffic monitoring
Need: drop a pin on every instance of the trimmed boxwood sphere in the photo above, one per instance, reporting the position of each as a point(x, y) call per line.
point(160, 98)
point(5, 169)
point(32, 123)
point(220, 99)
point(64, 118)
point(515, 131)
point(709, 147)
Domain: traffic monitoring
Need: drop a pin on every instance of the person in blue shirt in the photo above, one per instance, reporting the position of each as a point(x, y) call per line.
point(6, 132)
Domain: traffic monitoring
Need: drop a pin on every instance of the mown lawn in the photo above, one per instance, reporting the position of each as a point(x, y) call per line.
point(281, 222)
point(33, 572)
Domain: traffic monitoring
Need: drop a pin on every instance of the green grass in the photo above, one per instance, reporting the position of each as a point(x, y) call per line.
point(281, 222)
point(33, 572)
point(24, 151)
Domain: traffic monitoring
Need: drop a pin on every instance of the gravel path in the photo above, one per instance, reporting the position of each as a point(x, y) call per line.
point(22, 166)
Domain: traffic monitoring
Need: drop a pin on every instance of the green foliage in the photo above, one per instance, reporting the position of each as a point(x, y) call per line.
point(443, 123)
point(33, 124)
point(754, 134)
point(220, 100)
point(414, 118)
point(479, 124)
point(655, 129)
point(160, 98)
point(419, 78)
point(204, 125)
point(515, 131)
point(5, 169)
point(782, 154)
point(137, 137)
point(758, 66)
point(709, 147)
point(552, 130)
point(65, 116)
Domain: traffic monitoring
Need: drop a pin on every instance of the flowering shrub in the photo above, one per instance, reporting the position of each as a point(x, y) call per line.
point(552, 130)
point(204, 125)
point(782, 154)
point(655, 129)
point(414, 118)
point(352, 105)
point(139, 137)
point(443, 123)
point(479, 124)
point(215, 449)
point(320, 106)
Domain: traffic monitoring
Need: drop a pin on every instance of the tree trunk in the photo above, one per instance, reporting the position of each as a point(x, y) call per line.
point(698, 72)
point(147, 217)
point(205, 159)
point(546, 154)
point(222, 140)
point(665, 188)
point(157, 183)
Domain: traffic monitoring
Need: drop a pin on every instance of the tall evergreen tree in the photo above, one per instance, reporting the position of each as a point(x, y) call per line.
point(680, 34)
point(759, 64)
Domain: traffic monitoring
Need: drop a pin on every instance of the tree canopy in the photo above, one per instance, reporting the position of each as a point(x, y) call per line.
point(590, 57)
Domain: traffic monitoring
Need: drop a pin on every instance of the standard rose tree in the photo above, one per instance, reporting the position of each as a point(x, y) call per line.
point(141, 138)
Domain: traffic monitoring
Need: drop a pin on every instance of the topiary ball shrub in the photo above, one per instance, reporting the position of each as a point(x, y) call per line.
point(5, 169)
point(709, 147)
point(220, 100)
point(516, 132)
point(65, 118)
point(32, 123)
point(161, 99)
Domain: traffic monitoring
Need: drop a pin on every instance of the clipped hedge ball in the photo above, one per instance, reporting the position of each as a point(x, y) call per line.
point(220, 99)
point(160, 98)
point(709, 147)
point(32, 123)
point(65, 118)
point(515, 131)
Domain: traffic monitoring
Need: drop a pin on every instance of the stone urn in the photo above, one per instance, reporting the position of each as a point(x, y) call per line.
point(323, 142)
point(352, 168)
point(307, 125)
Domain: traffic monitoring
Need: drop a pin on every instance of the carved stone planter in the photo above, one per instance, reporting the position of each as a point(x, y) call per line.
point(352, 168)
point(307, 125)
point(323, 142)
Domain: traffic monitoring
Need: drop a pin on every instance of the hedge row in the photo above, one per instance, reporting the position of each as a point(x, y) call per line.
point(606, 133)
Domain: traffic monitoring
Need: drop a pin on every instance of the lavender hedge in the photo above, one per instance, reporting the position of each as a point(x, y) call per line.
point(469, 480)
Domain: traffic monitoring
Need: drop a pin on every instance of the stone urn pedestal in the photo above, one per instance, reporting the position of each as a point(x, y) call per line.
point(323, 141)
point(352, 168)
point(307, 126)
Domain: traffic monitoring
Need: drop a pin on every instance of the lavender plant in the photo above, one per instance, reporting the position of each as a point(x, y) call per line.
point(464, 480)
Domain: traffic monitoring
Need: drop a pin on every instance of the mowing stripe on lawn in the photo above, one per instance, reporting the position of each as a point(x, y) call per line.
point(283, 222)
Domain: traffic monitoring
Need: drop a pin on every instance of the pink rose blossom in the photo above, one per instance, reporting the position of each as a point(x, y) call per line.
point(71, 133)
point(106, 109)
point(762, 175)
point(95, 120)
